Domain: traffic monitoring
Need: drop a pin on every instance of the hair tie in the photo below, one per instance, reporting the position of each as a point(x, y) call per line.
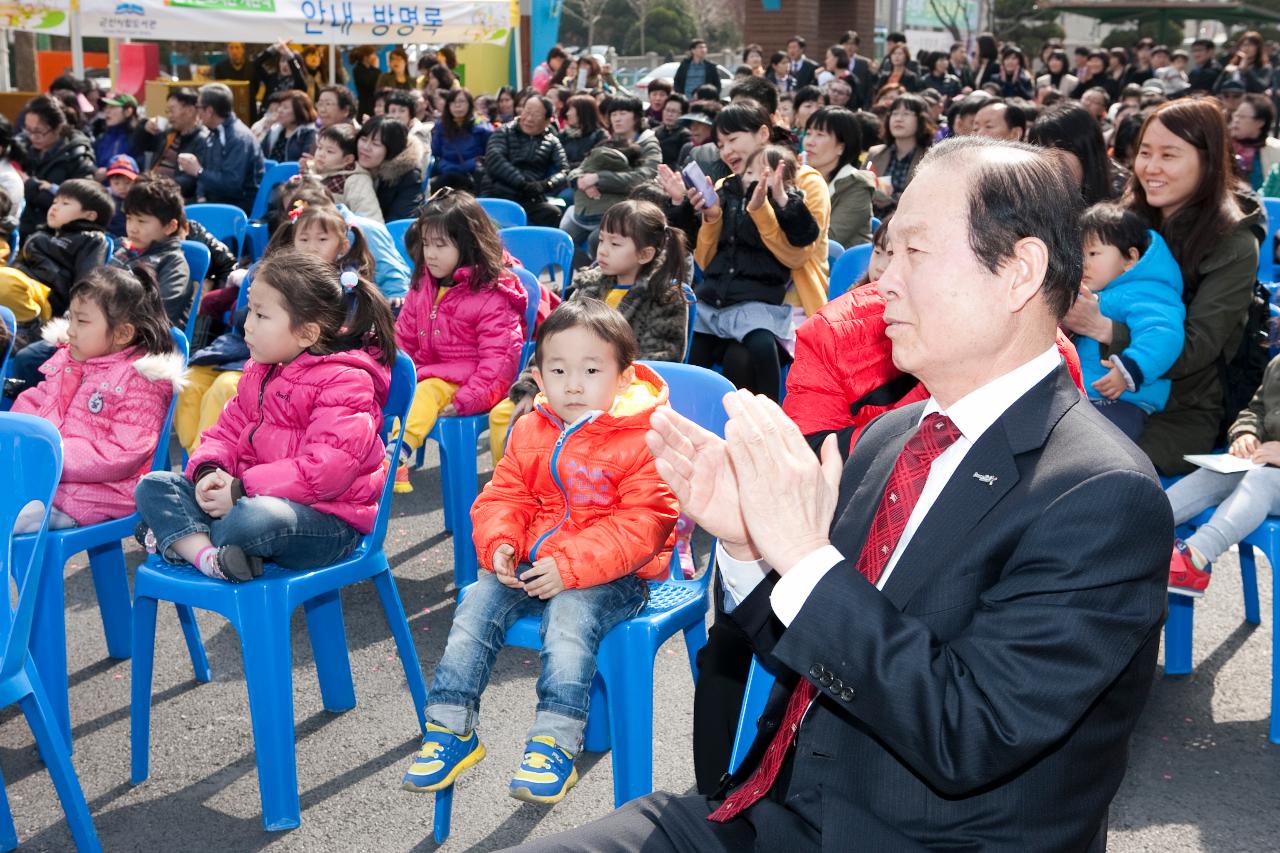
point(349, 279)
point(294, 212)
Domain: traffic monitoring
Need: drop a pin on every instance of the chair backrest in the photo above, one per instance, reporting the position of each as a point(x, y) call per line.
point(160, 461)
point(397, 228)
point(31, 457)
point(197, 255)
point(225, 222)
point(834, 250)
point(754, 698)
point(271, 178)
point(534, 291)
point(537, 248)
point(691, 300)
point(404, 381)
point(875, 224)
point(14, 239)
point(504, 213)
point(268, 164)
point(10, 323)
point(1267, 255)
point(848, 268)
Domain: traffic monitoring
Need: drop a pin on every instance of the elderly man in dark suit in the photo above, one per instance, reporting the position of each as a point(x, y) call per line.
point(964, 621)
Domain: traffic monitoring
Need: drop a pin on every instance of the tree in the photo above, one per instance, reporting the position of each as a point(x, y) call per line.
point(1020, 22)
point(710, 17)
point(666, 28)
point(589, 12)
point(641, 8)
point(954, 15)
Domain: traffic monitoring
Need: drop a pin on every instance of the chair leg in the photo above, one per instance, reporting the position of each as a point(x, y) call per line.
point(8, 832)
point(596, 737)
point(35, 706)
point(268, 670)
point(49, 641)
point(695, 637)
point(329, 647)
point(626, 663)
point(195, 645)
point(111, 583)
point(458, 444)
point(1177, 635)
point(399, 625)
point(144, 648)
point(1273, 733)
point(1249, 581)
point(443, 815)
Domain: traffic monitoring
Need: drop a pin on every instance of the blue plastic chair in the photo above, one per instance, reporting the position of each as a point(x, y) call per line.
point(504, 213)
point(110, 582)
point(15, 239)
point(834, 251)
point(225, 222)
point(31, 457)
point(1267, 255)
point(622, 692)
point(538, 248)
point(875, 224)
point(268, 164)
point(691, 300)
point(271, 178)
point(260, 612)
point(10, 323)
point(457, 438)
point(754, 698)
point(1178, 627)
point(397, 228)
point(848, 268)
point(198, 259)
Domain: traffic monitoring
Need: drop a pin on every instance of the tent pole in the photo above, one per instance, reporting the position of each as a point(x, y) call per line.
point(77, 44)
point(4, 62)
point(333, 64)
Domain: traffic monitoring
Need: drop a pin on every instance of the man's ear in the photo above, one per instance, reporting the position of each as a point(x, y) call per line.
point(1027, 270)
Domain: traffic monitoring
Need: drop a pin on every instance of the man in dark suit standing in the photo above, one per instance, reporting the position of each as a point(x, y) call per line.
point(803, 69)
point(964, 622)
point(859, 70)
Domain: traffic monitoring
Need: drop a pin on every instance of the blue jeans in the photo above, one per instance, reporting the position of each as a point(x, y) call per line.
point(573, 624)
point(290, 534)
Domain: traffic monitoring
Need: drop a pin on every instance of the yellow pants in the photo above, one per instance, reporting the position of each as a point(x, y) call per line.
point(432, 396)
point(499, 423)
point(208, 391)
point(24, 296)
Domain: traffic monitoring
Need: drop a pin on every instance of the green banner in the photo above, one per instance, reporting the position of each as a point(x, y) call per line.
point(263, 6)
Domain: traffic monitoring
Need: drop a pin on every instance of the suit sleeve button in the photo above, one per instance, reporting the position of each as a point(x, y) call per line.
point(846, 695)
point(816, 670)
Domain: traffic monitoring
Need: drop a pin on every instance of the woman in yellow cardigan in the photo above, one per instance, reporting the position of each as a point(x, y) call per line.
point(752, 273)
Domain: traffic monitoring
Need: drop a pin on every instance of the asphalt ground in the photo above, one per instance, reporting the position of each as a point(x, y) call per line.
point(1202, 775)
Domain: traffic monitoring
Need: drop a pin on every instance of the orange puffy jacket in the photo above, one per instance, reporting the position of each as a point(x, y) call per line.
point(585, 493)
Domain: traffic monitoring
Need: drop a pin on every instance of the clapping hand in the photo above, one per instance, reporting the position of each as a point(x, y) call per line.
point(774, 184)
point(672, 184)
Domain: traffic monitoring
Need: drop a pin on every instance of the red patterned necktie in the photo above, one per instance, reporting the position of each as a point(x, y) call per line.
point(906, 481)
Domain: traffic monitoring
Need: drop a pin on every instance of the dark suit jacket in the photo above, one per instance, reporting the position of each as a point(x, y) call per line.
point(808, 73)
point(984, 700)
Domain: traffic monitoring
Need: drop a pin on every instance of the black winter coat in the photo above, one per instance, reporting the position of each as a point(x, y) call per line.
point(71, 157)
point(60, 258)
point(173, 276)
point(524, 168)
point(577, 147)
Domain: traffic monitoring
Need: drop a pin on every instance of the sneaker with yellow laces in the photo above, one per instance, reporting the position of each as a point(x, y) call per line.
point(546, 774)
point(442, 758)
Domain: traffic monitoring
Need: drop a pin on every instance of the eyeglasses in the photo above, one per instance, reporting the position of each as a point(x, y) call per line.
point(39, 132)
point(440, 194)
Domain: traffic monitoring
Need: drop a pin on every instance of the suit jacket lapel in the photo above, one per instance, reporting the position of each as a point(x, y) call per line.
point(854, 520)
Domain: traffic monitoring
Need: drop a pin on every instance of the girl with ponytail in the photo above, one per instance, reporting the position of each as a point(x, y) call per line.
point(107, 389)
point(642, 265)
point(292, 471)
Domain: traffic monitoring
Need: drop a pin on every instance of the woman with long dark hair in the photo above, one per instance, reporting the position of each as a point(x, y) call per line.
point(458, 141)
point(583, 129)
point(1073, 133)
point(1185, 184)
point(1248, 65)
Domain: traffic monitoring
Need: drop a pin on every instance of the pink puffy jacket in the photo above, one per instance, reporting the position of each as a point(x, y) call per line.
point(109, 411)
point(471, 338)
point(306, 431)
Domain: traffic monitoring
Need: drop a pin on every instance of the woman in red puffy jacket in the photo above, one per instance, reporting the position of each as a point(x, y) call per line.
point(463, 320)
point(293, 469)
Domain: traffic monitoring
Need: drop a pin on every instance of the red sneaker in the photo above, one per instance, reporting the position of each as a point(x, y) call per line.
point(1184, 577)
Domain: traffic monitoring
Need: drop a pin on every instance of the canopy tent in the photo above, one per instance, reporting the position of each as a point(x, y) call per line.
point(1161, 12)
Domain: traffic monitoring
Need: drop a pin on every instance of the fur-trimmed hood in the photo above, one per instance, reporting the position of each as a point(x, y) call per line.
point(167, 367)
point(391, 171)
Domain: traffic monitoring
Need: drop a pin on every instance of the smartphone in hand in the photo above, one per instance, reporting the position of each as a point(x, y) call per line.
point(696, 179)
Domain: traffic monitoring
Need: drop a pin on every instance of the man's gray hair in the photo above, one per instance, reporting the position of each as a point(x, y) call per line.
point(217, 97)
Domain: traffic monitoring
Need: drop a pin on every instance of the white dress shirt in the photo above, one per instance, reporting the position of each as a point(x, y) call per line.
point(973, 414)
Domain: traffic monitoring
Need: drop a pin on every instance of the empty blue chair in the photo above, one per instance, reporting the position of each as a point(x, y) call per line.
point(1267, 254)
point(834, 250)
point(1179, 624)
point(10, 323)
point(197, 255)
point(260, 612)
point(31, 457)
point(110, 582)
point(225, 222)
point(848, 268)
point(754, 698)
point(397, 228)
point(623, 688)
point(504, 213)
point(457, 438)
point(690, 300)
point(271, 178)
point(538, 248)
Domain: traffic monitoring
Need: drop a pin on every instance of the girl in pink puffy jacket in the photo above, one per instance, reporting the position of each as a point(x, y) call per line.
point(463, 320)
point(293, 470)
point(107, 390)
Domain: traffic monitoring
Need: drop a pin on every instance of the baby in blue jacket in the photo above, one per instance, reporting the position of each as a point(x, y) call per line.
point(1138, 283)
